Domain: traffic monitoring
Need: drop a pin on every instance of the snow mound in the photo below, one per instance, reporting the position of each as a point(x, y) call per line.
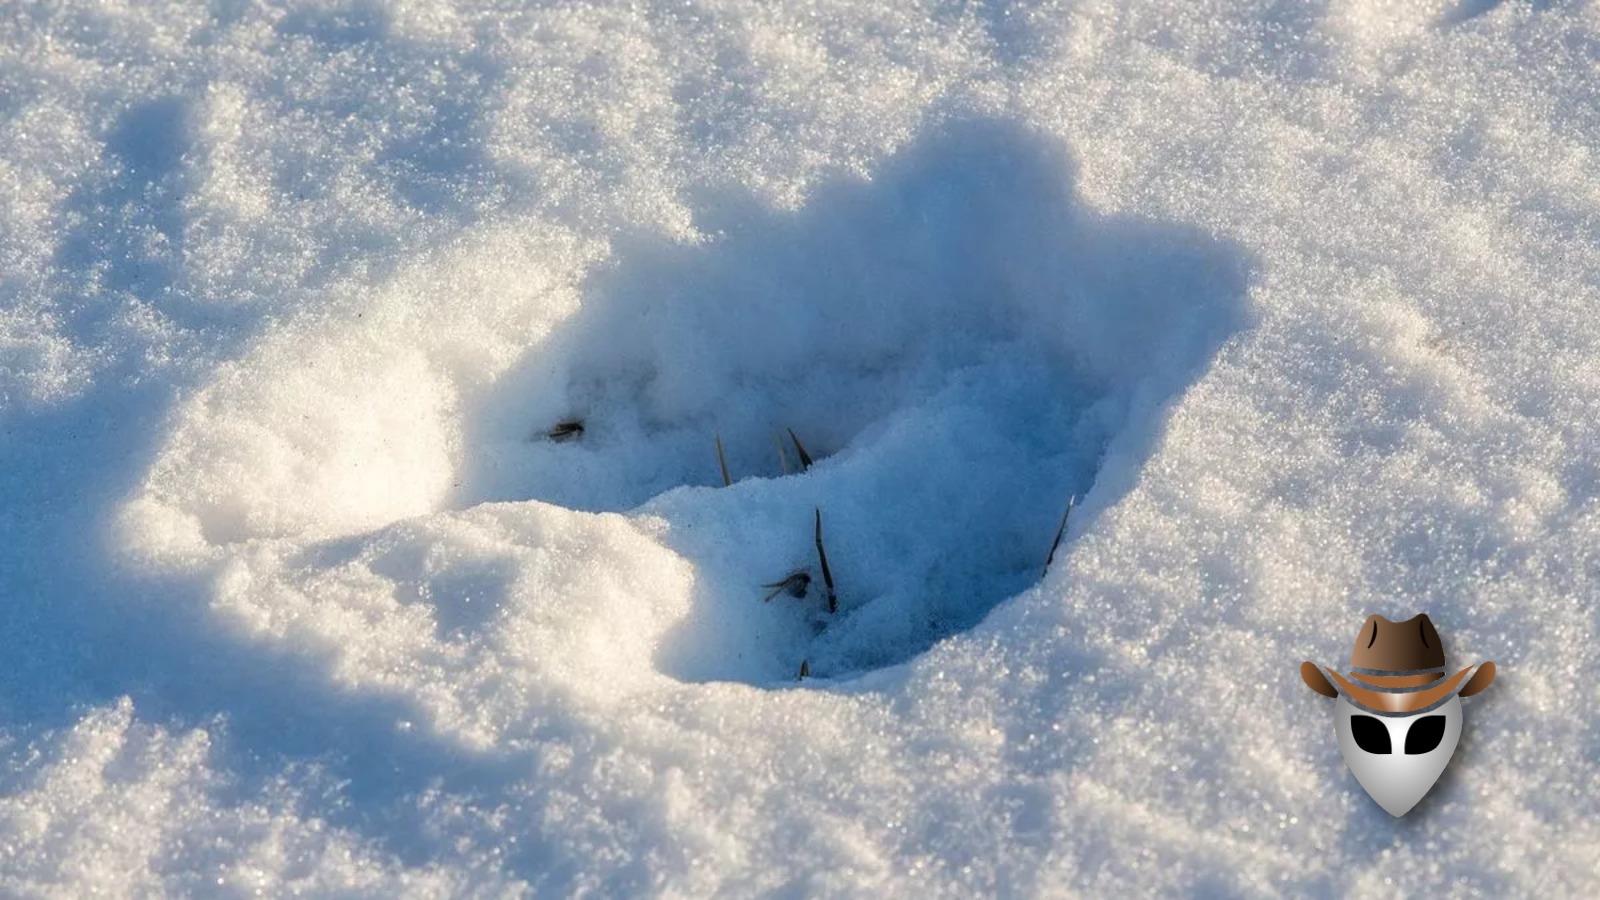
point(960, 342)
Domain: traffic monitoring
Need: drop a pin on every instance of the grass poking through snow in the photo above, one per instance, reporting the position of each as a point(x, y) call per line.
point(800, 450)
point(827, 574)
point(1061, 532)
point(722, 460)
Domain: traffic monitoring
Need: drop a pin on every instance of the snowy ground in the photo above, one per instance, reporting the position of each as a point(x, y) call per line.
point(294, 594)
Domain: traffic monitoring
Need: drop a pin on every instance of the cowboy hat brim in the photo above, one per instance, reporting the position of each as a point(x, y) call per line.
point(1408, 702)
point(1479, 680)
point(1314, 679)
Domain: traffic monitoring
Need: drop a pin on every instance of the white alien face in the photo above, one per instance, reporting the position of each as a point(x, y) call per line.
point(1398, 758)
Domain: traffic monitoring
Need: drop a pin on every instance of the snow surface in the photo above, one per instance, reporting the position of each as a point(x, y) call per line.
point(297, 596)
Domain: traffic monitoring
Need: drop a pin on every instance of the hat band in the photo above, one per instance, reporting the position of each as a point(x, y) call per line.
point(1389, 703)
point(1363, 670)
point(1397, 683)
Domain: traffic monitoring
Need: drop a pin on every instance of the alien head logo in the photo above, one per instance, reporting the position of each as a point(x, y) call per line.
point(1398, 717)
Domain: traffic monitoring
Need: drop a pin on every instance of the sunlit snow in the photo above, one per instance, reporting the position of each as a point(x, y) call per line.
point(300, 593)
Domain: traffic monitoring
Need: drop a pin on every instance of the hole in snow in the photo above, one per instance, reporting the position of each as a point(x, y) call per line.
point(959, 343)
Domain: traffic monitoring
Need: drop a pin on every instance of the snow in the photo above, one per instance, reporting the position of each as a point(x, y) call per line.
point(298, 595)
point(118, 807)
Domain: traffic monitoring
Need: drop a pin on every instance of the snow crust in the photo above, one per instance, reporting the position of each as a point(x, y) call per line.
point(117, 807)
point(300, 596)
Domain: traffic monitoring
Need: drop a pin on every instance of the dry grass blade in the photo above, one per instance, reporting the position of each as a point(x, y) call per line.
point(565, 430)
point(800, 450)
point(827, 574)
point(1060, 533)
point(794, 584)
point(722, 460)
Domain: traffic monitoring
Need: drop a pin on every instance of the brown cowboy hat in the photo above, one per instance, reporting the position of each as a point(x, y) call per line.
point(1397, 669)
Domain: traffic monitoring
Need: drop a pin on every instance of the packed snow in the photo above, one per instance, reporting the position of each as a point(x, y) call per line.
point(365, 367)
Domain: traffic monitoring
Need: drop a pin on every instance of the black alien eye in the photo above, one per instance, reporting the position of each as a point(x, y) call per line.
point(1425, 734)
point(1370, 734)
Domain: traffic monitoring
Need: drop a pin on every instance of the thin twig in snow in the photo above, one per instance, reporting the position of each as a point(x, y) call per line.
point(1060, 533)
point(722, 461)
point(827, 575)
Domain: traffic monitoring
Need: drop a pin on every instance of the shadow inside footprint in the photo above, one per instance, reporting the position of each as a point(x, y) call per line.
point(960, 344)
